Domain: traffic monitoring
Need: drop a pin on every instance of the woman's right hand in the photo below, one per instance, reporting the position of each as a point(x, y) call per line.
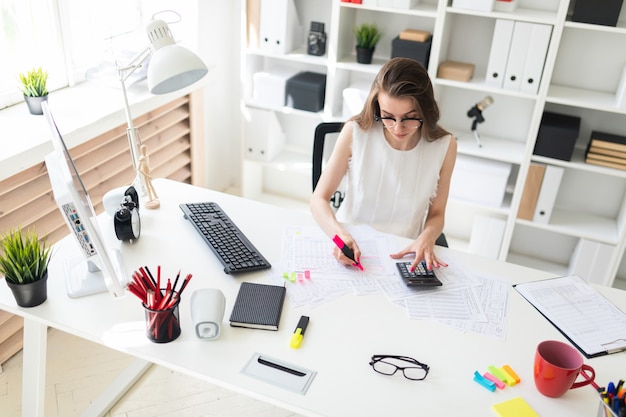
point(349, 241)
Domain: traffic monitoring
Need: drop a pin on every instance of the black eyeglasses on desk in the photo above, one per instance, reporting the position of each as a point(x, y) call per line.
point(389, 364)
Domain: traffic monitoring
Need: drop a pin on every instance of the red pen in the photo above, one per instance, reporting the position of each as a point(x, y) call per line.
point(347, 251)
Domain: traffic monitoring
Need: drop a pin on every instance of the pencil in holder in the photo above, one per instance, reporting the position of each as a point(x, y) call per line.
point(163, 324)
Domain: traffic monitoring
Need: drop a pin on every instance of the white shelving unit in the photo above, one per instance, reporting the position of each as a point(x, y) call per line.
point(580, 78)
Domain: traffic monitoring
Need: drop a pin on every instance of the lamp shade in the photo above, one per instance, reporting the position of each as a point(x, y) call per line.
point(172, 66)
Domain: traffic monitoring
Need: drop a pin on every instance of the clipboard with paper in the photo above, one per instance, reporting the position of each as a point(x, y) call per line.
point(586, 318)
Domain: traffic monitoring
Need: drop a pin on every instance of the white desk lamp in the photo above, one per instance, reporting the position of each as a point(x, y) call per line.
point(172, 67)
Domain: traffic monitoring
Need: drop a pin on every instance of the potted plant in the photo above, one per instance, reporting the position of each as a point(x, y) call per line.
point(24, 262)
point(35, 89)
point(367, 35)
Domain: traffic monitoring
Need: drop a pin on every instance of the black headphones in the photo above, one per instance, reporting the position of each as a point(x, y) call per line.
point(126, 219)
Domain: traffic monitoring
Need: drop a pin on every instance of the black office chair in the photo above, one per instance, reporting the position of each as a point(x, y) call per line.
point(322, 131)
point(320, 145)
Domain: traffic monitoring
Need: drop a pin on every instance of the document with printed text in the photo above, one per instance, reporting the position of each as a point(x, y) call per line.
point(590, 321)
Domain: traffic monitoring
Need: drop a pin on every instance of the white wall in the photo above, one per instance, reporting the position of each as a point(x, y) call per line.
point(219, 46)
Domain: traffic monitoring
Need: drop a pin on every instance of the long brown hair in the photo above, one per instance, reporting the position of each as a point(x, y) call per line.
point(402, 78)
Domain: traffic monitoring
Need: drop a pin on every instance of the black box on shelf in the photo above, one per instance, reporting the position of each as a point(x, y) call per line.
point(597, 12)
point(419, 51)
point(306, 91)
point(557, 136)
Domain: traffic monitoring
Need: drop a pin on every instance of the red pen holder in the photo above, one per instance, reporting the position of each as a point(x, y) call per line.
point(163, 325)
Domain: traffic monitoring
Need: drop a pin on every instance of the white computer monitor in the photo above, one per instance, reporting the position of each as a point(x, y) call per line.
point(97, 269)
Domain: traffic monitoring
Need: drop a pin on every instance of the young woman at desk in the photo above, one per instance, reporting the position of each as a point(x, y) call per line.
point(398, 162)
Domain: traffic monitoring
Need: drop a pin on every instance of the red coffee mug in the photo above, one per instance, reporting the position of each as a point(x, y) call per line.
point(557, 365)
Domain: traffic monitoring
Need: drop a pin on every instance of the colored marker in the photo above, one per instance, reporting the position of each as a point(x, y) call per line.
point(346, 251)
point(298, 334)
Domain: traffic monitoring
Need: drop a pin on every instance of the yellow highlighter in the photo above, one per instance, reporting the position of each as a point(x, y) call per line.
point(298, 334)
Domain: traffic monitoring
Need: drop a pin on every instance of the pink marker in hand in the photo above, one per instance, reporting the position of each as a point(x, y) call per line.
point(346, 251)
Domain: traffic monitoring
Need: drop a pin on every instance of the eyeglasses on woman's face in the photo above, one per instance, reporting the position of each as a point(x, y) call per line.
point(408, 122)
point(390, 364)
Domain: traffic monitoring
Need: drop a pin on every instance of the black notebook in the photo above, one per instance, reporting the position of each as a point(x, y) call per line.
point(258, 306)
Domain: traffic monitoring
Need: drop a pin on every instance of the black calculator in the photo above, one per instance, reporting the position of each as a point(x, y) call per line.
point(421, 277)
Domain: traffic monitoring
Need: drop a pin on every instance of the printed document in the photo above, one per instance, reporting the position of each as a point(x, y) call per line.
point(590, 321)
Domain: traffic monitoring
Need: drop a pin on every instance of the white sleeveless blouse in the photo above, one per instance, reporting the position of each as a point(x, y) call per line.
point(387, 188)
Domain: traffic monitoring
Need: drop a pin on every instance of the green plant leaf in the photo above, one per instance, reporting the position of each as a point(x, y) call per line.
point(367, 35)
point(33, 83)
point(23, 258)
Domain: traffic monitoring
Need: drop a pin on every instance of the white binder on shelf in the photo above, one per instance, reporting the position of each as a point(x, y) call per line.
point(264, 135)
point(518, 52)
point(486, 237)
point(279, 26)
point(536, 57)
point(589, 262)
point(499, 53)
point(547, 195)
point(620, 94)
point(479, 180)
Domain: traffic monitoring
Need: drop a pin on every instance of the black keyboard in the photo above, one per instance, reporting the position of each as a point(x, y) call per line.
point(223, 236)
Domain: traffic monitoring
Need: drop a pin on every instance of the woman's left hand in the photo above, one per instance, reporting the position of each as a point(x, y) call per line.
point(423, 251)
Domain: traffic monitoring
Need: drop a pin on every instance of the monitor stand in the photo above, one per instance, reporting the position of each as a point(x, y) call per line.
point(83, 277)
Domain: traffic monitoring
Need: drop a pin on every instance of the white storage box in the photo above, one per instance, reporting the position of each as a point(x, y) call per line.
point(589, 259)
point(397, 4)
point(505, 5)
point(354, 98)
point(487, 234)
point(478, 5)
point(479, 180)
point(268, 87)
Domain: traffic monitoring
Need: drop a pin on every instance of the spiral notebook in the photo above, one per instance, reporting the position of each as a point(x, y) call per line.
point(258, 306)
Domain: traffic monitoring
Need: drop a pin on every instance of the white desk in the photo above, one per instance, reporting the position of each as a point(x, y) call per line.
point(339, 341)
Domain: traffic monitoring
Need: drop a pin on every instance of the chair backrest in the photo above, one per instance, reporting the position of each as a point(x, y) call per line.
point(323, 143)
point(319, 141)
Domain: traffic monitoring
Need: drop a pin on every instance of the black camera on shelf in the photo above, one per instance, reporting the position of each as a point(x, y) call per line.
point(316, 41)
